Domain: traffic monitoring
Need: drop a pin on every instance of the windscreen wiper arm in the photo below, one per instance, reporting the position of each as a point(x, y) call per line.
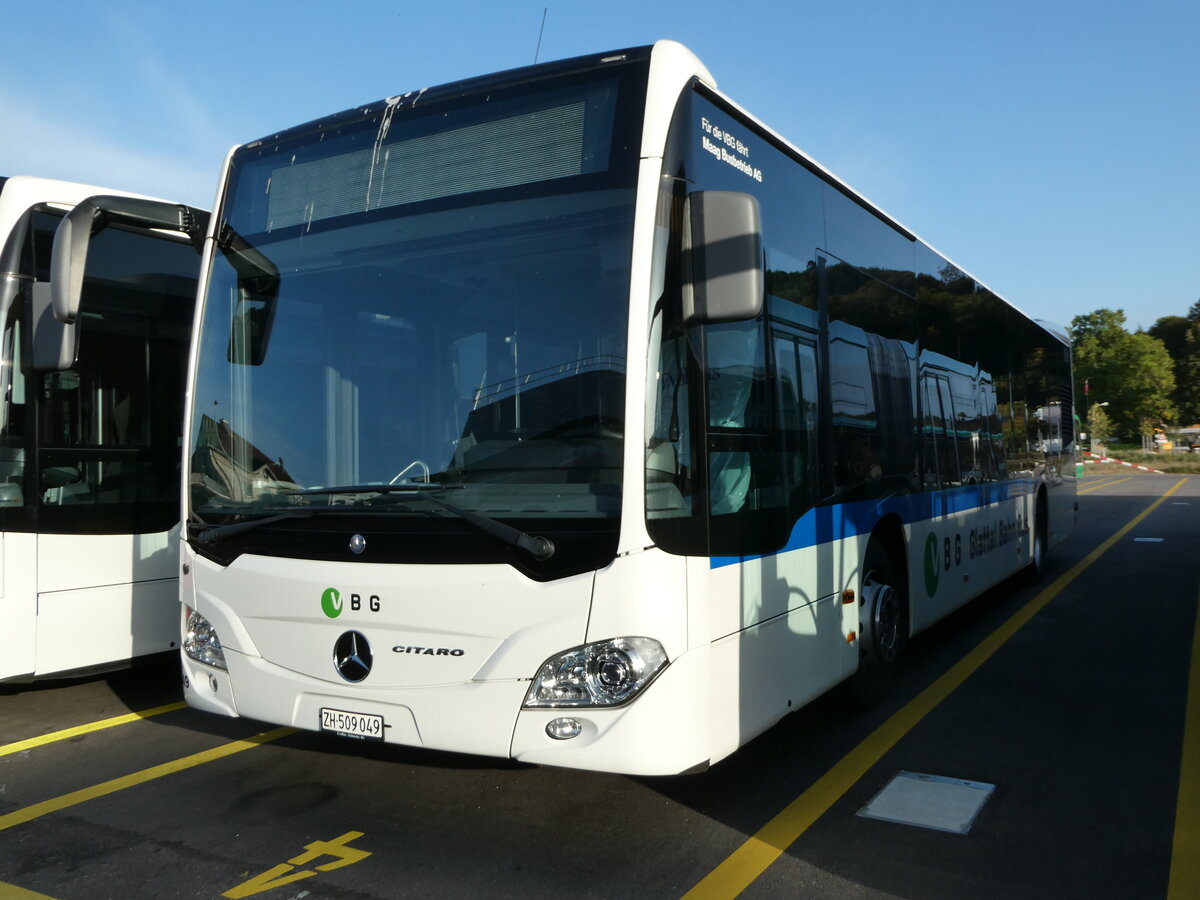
point(220, 532)
point(539, 548)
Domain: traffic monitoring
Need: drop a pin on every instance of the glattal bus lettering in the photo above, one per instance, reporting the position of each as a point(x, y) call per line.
point(982, 540)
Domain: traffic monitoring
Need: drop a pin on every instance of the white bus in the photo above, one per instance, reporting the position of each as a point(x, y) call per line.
point(572, 415)
point(91, 413)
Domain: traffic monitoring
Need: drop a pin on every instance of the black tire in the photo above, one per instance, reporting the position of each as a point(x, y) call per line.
point(1038, 546)
point(883, 626)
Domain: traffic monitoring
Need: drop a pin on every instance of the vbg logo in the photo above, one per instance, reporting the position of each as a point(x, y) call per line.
point(933, 571)
point(331, 603)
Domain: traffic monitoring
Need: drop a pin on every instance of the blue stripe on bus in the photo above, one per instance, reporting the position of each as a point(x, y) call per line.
point(829, 523)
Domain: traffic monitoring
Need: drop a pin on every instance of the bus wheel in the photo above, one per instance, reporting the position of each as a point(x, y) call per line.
point(883, 617)
point(1037, 552)
point(880, 619)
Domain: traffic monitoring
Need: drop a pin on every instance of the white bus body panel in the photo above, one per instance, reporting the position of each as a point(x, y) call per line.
point(774, 647)
point(82, 601)
point(279, 650)
point(494, 627)
point(18, 605)
point(104, 598)
point(497, 618)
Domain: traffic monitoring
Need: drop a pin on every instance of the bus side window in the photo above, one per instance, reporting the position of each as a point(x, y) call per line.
point(951, 473)
point(12, 413)
point(796, 390)
point(736, 383)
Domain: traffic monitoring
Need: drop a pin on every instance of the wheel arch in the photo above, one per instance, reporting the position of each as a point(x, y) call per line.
point(889, 532)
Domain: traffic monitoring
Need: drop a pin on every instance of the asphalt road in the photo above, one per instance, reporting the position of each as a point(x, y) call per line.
point(1050, 719)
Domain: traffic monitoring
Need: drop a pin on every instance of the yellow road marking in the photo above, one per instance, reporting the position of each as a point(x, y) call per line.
point(285, 873)
point(1185, 850)
point(761, 849)
point(12, 892)
point(66, 733)
point(1096, 487)
point(55, 804)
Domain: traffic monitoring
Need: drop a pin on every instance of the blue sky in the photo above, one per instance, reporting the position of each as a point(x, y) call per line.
point(1051, 147)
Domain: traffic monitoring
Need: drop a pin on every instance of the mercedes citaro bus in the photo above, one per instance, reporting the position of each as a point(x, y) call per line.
point(571, 414)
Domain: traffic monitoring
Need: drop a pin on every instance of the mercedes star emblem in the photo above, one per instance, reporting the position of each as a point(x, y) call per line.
point(352, 656)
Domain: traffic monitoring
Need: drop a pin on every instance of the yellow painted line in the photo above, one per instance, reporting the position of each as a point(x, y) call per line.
point(66, 733)
point(761, 849)
point(37, 810)
point(12, 892)
point(1096, 487)
point(1185, 849)
point(1098, 479)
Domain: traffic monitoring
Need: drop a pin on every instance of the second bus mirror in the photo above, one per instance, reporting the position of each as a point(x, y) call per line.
point(54, 341)
point(69, 256)
point(723, 256)
point(56, 304)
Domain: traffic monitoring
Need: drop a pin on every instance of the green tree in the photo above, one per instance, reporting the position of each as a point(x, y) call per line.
point(1187, 378)
point(1099, 424)
point(1172, 331)
point(1133, 373)
point(1181, 336)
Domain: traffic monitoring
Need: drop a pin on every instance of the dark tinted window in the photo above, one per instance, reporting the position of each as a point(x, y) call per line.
point(108, 429)
point(922, 378)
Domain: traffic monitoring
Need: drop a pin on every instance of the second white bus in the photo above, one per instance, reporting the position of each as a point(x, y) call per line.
point(91, 410)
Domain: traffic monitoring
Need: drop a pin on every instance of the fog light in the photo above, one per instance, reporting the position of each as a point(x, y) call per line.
point(564, 729)
point(200, 641)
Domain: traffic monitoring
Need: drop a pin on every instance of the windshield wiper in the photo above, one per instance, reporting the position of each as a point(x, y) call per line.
point(539, 548)
point(220, 532)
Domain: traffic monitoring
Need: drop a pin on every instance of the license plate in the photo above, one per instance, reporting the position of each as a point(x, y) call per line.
point(350, 724)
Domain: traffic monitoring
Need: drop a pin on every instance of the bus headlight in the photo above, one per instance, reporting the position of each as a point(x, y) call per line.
point(606, 673)
point(200, 641)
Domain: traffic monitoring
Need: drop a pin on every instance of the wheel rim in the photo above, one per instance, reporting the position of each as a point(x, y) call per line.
point(883, 619)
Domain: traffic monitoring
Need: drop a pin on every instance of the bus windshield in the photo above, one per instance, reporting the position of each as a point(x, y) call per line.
point(430, 293)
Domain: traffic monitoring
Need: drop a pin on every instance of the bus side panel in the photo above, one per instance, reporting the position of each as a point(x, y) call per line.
point(18, 605)
point(100, 625)
point(1060, 507)
point(105, 598)
point(642, 594)
point(69, 562)
point(955, 557)
point(775, 648)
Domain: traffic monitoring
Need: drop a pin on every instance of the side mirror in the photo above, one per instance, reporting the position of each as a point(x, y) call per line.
point(56, 304)
point(724, 257)
point(258, 290)
point(54, 343)
point(74, 234)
